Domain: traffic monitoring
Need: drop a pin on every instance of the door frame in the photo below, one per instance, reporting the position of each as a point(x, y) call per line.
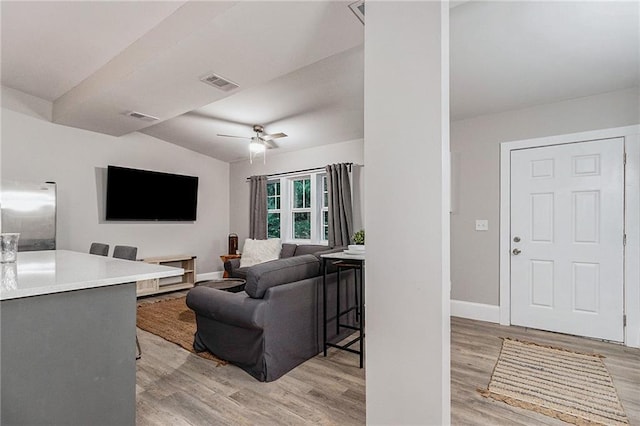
point(631, 135)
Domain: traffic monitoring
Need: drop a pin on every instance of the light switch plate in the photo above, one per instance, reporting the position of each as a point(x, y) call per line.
point(482, 225)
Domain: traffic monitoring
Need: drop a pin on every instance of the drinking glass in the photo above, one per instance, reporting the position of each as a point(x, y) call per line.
point(9, 247)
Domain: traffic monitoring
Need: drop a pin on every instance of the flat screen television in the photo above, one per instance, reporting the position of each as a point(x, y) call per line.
point(145, 195)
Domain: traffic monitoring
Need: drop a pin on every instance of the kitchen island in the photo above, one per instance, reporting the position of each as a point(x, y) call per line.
point(67, 329)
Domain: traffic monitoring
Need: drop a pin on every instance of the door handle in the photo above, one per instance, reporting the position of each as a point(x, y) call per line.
point(516, 251)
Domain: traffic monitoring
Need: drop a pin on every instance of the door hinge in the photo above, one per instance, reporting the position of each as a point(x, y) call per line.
point(624, 239)
point(624, 161)
point(624, 320)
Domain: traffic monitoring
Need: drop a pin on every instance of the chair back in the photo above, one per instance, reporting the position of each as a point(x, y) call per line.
point(125, 252)
point(99, 249)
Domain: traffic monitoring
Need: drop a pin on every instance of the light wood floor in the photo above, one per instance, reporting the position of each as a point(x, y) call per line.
point(175, 387)
point(475, 347)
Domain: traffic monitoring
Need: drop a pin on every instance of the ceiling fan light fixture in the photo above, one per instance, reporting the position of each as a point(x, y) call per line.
point(256, 146)
point(260, 142)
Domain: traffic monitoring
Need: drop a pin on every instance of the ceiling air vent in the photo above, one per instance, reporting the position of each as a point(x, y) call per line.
point(358, 9)
point(219, 82)
point(141, 116)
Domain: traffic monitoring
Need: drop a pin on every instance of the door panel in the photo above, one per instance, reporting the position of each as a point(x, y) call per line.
point(542, 283)
point(586, 216)
point(586, 286)
point(567, 207)
point(542, 217)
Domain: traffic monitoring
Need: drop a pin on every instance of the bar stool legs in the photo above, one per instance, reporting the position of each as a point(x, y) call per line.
point(138, 349)
point(357, 265)
point(355, 290)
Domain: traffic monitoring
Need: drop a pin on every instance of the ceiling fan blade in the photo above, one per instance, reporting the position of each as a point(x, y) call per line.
point(233, 136)
point(273, 136)
point(270, 144)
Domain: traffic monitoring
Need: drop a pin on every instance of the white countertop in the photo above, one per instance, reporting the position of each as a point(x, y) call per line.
point(54, 271)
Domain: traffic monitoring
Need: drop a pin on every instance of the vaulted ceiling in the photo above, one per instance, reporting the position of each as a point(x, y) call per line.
point(299, 65)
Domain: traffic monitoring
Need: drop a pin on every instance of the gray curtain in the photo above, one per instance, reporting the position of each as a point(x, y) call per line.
point(258, 208)
point(340, 208)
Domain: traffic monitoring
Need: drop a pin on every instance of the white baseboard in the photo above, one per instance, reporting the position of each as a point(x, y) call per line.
point(210, 276)
point(475, 311)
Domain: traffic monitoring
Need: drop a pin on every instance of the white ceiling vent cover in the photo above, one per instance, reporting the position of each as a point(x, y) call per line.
point(358, 9)
point(219, 82)
point(141, 116)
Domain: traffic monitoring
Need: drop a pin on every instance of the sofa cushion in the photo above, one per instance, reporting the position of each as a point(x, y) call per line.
point(303, 249)
point(288, 250)
point(282, 271)
point(259, 251)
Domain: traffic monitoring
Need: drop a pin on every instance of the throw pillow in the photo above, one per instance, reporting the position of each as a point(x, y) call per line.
point(259, 251)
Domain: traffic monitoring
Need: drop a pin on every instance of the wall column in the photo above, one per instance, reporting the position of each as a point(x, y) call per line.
point(406, 153)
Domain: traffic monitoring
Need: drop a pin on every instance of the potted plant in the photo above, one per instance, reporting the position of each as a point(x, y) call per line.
point(358, 241)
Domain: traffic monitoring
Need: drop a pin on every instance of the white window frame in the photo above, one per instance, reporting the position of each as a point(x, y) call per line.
point(293, 210)
point(316, 208)
point(322, 179)
point(275, 210)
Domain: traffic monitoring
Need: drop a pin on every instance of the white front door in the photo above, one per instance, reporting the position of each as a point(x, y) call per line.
point(567, 216)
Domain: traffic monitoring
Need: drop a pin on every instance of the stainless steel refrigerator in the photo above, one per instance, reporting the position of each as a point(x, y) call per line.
point(29, 209)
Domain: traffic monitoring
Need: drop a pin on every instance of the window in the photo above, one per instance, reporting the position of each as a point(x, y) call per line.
point(301, 209)
point(297, 208)
point(325, 209)
point(273, 209)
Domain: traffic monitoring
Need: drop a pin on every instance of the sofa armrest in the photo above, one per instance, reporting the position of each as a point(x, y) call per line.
point(292, 300)
point(292, 318)
point(262, 276)
point(230, 308)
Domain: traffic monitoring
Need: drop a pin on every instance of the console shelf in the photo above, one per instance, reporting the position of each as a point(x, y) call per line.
point(165, 285)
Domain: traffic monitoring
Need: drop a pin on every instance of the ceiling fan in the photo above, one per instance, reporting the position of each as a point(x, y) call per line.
point(260, 142)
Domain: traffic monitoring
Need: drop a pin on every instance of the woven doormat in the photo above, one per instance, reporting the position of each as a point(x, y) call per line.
point(573, 387)
point(173, 321)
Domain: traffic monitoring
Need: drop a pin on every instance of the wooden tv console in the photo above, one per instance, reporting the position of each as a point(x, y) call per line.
point(165, 285)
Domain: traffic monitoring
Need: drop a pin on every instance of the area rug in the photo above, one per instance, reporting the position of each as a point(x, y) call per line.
point(573, 387)
point(173, 321)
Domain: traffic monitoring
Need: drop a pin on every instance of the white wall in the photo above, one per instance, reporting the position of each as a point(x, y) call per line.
point(407, 281)
point(343, 152)
point(475, 146)
point(36, 150)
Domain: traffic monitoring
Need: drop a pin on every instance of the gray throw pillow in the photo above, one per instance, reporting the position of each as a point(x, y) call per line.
point(287, 250)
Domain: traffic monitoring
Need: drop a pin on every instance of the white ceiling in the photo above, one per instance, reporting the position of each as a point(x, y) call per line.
point(299, 64)
point(48, 47)
point(509, 55)
point(318, 104)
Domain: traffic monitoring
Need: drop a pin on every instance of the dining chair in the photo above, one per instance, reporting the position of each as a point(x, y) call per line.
point(125, 252)
point(128, 253)
point(99, 249)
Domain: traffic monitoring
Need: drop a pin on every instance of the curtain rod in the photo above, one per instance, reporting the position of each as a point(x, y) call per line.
point(294, 172)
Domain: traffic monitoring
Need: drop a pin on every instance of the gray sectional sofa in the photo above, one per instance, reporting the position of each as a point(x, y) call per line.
point(233, 269)
point(276, 323)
